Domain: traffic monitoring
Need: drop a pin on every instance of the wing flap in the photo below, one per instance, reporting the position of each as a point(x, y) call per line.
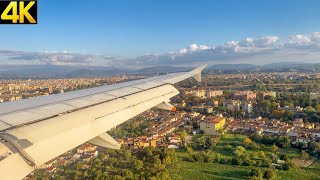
point(106, 141)
point(55, 136)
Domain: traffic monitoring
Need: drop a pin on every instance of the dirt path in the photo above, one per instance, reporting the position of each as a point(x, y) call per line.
point(304, 163)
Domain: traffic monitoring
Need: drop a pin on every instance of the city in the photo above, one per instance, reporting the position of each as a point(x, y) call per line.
point(204, 120)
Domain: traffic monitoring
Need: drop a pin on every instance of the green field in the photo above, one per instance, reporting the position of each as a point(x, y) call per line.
point(237, 139)
point(196, 170)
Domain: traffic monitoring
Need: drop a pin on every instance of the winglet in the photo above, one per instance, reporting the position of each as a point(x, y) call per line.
point(197, 72)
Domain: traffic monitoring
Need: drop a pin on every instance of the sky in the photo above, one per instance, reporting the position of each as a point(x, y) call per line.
point(136, 33)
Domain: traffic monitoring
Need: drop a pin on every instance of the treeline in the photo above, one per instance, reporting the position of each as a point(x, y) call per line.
point(280, 141)
point(206, 151)
point(240, 157)
point(284, 141)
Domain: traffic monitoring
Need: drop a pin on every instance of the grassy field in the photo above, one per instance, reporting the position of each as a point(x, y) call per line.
point(202, 171)
point(196, 170)
point(237, 139)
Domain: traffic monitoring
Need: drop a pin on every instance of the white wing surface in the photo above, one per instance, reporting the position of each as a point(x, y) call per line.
point(35, 131)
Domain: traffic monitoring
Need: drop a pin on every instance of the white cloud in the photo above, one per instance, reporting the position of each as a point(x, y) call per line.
point(307, 42)
point(260, 50)
point(55, 58)
point(183, 51)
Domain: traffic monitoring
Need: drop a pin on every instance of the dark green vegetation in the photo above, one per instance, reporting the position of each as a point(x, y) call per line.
point(268, 107)
point(209, 165)
point(236, 149)
point(208, 158)
point(187, 170)
point(148, 163)
point(285, 142)
point(132, 128)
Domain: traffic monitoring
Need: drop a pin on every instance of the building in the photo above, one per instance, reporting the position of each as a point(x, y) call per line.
point(199, 93)
point(183, 104)
point(247, 107)
point(87, 149)
point(263, 94)
point(213, 125)
point(298, 123)
point(216, 103)
point(213, 93)
point(208, 109)
point(232, 105)
point(204, 93)
point(245, 95)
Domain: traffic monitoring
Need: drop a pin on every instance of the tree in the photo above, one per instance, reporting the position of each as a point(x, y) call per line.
point(261, 154)
point(310, 109)
point(253, 145)
point(137, 165)
point(127, 154)
point(246, 142)
point(189, 149)
point(236, 161)
point(287, 166)
point(227, 147)
point(284, 141)
point(255, 173)
point(149, 151)
point(317, 107)
point(274, 148)
point(240, 151)
point(157, 165)
point(304, 155)
point(127, 174)
point(212, 142)
point(315, 148)
point(284, 157)
point(269, 174)
point(183, 135)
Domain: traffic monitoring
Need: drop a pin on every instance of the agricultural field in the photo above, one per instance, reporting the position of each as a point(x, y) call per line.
point(237, 140)
point(184, 169)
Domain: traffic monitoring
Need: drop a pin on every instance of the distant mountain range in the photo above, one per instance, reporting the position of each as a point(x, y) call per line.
point(50, 71)
point(274, 67)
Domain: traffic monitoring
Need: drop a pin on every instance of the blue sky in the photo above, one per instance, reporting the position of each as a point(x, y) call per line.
point(130, 29)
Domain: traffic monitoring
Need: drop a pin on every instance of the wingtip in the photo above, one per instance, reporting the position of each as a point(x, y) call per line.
point(199, 69)
point(203, 66)
point(197, 72)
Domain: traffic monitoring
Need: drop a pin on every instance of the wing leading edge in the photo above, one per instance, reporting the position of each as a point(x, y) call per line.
point(40, 130)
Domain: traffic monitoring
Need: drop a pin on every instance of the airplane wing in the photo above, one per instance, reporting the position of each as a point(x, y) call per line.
point(35, 131)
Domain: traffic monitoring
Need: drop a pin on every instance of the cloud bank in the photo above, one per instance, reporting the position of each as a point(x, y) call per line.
point(54, 58)
point(260, 50)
